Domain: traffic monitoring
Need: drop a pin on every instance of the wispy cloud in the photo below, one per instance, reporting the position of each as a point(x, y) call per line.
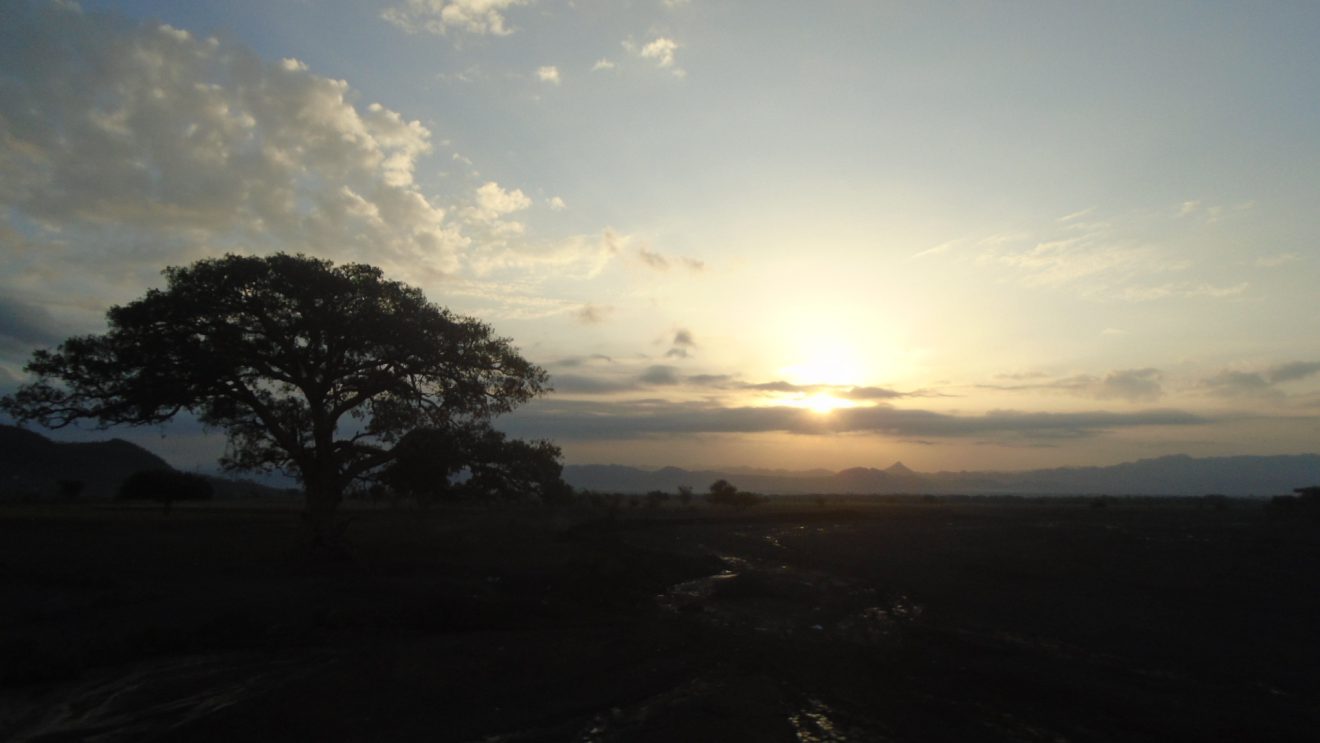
point(1276, 260)
point(682, 345)
point(590, 314)
point(1260, 382)
point(1131, 385)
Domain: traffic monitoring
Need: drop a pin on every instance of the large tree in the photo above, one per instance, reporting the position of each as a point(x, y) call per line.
point(309, 367)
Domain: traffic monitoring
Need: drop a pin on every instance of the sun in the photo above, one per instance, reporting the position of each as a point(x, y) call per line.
point(824, 403)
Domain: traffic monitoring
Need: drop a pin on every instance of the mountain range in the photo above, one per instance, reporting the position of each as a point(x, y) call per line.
point(31, 464)
point(1171, 475)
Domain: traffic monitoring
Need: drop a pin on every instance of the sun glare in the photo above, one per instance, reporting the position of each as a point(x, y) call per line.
point(825, 367)
point(823, 403)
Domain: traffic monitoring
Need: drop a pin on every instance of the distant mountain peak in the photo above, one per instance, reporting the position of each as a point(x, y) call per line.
point(898, 468)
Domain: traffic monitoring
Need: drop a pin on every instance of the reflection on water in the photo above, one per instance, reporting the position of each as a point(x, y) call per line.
point(154, 696)
point(812, 724)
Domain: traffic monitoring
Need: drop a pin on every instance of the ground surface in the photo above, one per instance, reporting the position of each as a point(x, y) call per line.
point(895, 621)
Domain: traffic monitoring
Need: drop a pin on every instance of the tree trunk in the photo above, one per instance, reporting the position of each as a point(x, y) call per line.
point(325, 530)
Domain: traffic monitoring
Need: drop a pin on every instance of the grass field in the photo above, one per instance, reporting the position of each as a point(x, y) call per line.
point(852, 620)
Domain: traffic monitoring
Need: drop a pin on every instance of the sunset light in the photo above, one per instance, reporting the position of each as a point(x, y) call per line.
point(1006, 235)
point(825, 403)
point(659, 370)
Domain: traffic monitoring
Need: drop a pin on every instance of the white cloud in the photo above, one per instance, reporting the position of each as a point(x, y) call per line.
point(441, 16)
point(127, 148)
point(494, 202)
point(661, 50)
point(556, 203)
point(548, 74)
point(603, 64)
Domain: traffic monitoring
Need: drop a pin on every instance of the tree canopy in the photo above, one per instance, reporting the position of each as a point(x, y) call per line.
point(309, 367)
point(477, 462)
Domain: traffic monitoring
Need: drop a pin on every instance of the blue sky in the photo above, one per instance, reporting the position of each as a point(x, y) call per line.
point(963, 234)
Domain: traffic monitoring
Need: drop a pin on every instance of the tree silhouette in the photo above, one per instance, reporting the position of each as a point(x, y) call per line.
point(164, 487)
point(725, 493)
point(308, 367)
point(476, 462)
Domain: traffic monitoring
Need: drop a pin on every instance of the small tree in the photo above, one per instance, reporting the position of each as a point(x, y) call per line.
point(724, 493)
point(164, 487)
point(685, 495)
point(307, 366)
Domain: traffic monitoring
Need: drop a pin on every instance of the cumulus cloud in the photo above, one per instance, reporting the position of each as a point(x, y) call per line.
point(128, 147)
point(493, 202)
point(441, 16)
point(556, 203)
point(548, 74)
point(660, 51)
point(603, 64)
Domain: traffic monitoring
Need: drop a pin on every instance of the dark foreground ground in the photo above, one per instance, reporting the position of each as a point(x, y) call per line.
point(917, 621)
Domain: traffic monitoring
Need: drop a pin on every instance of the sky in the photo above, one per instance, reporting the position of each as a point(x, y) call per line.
point(963, 235)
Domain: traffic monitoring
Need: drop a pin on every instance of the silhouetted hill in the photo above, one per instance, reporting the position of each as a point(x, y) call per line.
point(33, 465)
point(1172, 475)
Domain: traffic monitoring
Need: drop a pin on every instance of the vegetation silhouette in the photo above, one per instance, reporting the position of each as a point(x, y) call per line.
point(725, 493)
point(164, 487)
point(475, 462)
point(308, 367)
